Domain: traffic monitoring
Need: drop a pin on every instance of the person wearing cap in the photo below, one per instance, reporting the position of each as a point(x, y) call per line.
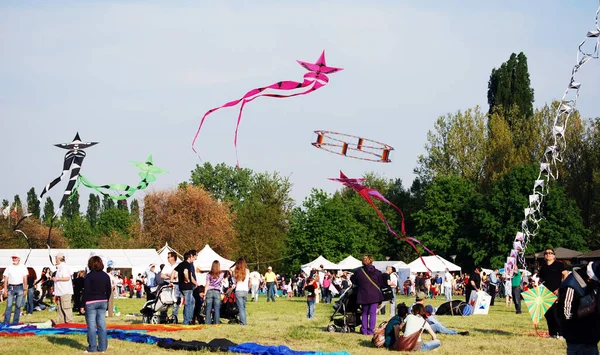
point(580, 328)
point(15, 288)
point(435, 324)
point(270, 278)
point(63, 289)
point(149, 281)
point(551, 275)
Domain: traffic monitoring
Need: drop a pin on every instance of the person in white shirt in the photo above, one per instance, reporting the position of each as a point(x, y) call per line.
point(448, 285)
point(241, 277)
point(15, 288)
point(255, 280)
point(113, 286)
point(417, 322)
point(63, 289)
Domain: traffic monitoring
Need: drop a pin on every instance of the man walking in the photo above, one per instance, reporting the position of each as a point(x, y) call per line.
point(551, 275)
point(63, 289)
point(15, 288)
point(255, 280)
point(270, 279)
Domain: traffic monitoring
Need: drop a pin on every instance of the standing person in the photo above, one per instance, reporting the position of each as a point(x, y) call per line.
point(113, 287)
point(325, 283)
point(393, 283)
point(448, 285)
point(474, 282)
point(214, 281)
point(368, 281)
point(385, 281)
point(255, 280)
point(580, 330)
point(241, 276)
point(310, 286)
point(31, 276)
point(493, 289)
point(63, 289)
point(186, 287)
point(97, 290)
point(150, 281)
point(551, 275)
point(78, 285)
point(169, 277)
point(15, 283)
point(270, 278)
point(516, 289)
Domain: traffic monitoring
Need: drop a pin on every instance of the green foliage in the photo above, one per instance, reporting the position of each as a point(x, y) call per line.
point(71, 207)
point(5, 203)
point(107, 203)
point(18, 205)
point(135, 210)
point(225, 183)
point(122, 205)
point(48, 210)
point(79, 234)
point(113, 220)
point(510, 85)
point(33, 203)
point(93, 210)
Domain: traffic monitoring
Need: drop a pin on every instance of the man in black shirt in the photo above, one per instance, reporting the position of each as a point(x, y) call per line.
point(551, 275)
point(474, 283)
point(186, 286)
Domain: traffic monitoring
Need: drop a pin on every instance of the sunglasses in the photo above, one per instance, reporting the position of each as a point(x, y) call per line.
point(548, 253)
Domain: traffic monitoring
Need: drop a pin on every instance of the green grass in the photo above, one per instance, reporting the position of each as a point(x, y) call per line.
point(284, 323)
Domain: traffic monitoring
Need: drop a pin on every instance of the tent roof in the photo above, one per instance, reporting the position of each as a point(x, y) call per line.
point(164, 254)
point(382, 265)
point(595, 254)
point(349, 262)
point(327, 265)
point(435, 264)
point(561, 253)
point(207, 255)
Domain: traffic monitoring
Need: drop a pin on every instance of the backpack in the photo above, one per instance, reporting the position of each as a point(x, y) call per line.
point(379, 335)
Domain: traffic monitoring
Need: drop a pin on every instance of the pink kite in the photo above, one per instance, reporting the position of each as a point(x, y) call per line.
point(313, 80)
point(366, 193)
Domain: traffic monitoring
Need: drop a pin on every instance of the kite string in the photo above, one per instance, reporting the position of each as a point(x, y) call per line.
point(553, 153)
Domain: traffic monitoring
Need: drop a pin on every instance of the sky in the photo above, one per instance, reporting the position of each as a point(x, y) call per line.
point(137, 76)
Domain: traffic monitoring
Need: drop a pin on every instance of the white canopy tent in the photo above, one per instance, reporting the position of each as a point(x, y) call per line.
point(434, 263)
point(137, 260)
point(316, 264)
point(401, 268)
point(207, 255)
point(349, 263)
point(164, 254)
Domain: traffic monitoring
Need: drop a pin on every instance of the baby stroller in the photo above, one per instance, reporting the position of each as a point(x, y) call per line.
point(156, 308)
point(229, 308)
point(346, 312)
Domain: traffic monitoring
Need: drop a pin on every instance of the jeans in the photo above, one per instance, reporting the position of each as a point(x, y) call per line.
point(188, 307)
point(213, 302)
point(369, 318)
point(438, 327)
point(95, 317)
point(177, 296)
point(16, 297)
point(255, 293)
point(29, 306)
point(271, 291)
point(582, 349)
point(241, 298)
point(516, 294)
point(430, 345)
point(393, 303)
point(310, 313)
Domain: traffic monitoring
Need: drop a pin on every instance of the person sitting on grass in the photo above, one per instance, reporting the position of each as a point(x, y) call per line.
point(38, 302)
point(435, 324)
point(398, 319)
point(417, 322)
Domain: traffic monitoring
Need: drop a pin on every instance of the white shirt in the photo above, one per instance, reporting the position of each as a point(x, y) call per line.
point(167, 270)
point(62, 288)
point(255, 278)
point(414, 324)
point(448, 280)
point(241, 285)
point(393, 279)
point(15, 274)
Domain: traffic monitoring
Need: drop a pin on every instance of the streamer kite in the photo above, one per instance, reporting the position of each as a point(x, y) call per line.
point(17, 230)
point(73, 160)
point(369, 193)
point(315, 79)
point(148, 172)
point(352, 146)
point(587, 50)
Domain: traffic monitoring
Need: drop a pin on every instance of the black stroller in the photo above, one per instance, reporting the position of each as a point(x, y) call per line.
point(229, 307)
point(346, 312)
point(156, 308)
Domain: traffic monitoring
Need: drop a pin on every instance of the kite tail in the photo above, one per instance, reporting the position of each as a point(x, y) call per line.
point(16, 229)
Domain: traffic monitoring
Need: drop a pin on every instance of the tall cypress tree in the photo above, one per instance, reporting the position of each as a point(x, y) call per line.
point(33, 204)
point(107, 203)
point(93, 210)
point(48, 210)
point(71, 206)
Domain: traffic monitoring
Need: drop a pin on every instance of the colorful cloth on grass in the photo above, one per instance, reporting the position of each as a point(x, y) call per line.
point(257, 349)
point(139, 327)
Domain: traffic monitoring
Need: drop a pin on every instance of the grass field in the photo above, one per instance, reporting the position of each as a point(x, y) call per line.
point(284, 323)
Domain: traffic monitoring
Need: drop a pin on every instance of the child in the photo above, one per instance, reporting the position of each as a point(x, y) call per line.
point(290, 289)
point(310, 288)
point(198, 294)
point(138, 289)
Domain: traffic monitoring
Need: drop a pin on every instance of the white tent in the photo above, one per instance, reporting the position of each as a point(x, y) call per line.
point(382, 265)
point(164, 254)
point(316, 264)
point(434, 263)
point(206, 256)
point(349, 263)
point(137, 260)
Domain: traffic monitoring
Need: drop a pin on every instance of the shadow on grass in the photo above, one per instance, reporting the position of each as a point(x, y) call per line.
point(72, 343)
point(366, 344)
point(493, 331)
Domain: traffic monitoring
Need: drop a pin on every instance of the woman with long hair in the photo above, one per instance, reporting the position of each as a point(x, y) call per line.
point(96, 292)
point(368, 281)
point(241, 276)
point(417, 322)
point(31, 276)
point(214, 282)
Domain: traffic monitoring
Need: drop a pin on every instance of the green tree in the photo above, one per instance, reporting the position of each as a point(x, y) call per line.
point(510, 85)
point(122, 205)
point(107, 203)
point(33, 203)
point(71, 207)
point(135, 210)
point(113, 220)
point(5, 203)
point(93, 210)
point(48, 210)
point(225, 183)
point(79, 233)
point(18, 205)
